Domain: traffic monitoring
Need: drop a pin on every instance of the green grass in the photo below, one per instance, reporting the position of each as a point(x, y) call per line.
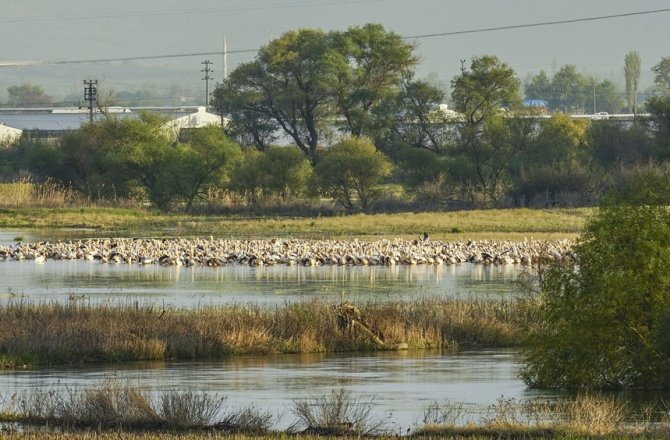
point(511, 224)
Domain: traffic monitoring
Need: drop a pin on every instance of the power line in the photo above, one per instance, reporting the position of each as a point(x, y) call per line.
point(191, 11)
point(544, 23)
point(411, 37)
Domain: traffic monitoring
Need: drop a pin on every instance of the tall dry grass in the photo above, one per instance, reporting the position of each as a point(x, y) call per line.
point(117, 405)
point(49, 194)
point(77, 332)
point(584, 416)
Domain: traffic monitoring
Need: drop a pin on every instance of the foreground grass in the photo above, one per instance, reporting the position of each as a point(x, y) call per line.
point(39, 334)
point(479, 224)
point(119, 408)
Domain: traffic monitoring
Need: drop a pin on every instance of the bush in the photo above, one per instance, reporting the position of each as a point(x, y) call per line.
point(602, 320)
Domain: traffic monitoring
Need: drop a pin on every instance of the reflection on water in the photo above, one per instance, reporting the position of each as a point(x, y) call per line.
point(401, 383)
point(60, 281)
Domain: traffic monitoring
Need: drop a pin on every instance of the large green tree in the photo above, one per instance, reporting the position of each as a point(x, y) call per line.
point(604, 321)
point(306, 82)
point(487, 97)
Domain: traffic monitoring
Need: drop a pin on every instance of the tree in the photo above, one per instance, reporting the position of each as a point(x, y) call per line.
point(484, 89)
point(571, 90)
point(659, 110)
point(413, 118)
point(539, 87)
point(307, 81)
point(285, 172)
point(604, 324)
point(632, 65)
point(351, 171)
point(191, 169)
point(607, 97)
point(370, 64)
point(662, 78)
point(484, 135)
point(27, 95)
point(112, 157)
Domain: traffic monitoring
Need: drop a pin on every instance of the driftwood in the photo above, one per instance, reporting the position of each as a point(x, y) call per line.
point(348, 317)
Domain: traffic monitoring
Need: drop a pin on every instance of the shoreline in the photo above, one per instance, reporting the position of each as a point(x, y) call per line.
point(213, 252)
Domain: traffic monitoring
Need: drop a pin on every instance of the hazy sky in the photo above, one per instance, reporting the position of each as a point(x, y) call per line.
point(76, 30)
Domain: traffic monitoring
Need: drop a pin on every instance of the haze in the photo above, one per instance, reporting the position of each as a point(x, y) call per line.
point(76, 30)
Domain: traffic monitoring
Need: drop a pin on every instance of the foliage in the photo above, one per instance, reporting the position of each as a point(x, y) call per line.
point(659, 110)
point(278, 171)
point(484, 89)
point(486, 143)
point(305, 79)
point(190, 169)
point(351, 171)
point(632, 65)
point(559, 144)
point(414, 117)
point(110, 158)
point(611, 144)
point(662, 75)
point(27, 95)
point(569, 91)
point(601, 322)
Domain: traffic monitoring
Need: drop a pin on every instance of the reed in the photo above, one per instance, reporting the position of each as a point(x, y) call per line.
point(49, 194)
point(76, 332)
point(584, 416)
point(116, 405)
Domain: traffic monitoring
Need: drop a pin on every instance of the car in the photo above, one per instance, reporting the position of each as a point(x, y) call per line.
point(601, 115)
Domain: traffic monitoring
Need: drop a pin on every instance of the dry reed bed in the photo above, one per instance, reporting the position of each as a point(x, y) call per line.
point(113, 408)
point(75, 333)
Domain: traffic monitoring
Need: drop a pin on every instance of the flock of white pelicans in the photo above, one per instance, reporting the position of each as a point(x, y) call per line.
point(214, 252)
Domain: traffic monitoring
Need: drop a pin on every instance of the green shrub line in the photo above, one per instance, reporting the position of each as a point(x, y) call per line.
point(43, 334)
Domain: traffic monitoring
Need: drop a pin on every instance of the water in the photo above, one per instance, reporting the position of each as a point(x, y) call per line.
point(402, 384)
point(62, 281)
point(399, 384)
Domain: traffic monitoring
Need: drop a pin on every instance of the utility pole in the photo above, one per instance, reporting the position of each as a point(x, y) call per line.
point(90, 95)
point(225, 58)
point(207, 71)
point(594, 97)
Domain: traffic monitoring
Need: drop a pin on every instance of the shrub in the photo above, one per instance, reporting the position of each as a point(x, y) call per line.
point(601, 322)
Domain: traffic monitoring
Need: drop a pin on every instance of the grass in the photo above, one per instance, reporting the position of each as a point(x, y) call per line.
point(512, 224)
point(119, 407)
point(122, 406)
point(39, 334)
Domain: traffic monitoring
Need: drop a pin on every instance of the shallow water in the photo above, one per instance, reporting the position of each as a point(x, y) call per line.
point(94, 282)
point(400, 384)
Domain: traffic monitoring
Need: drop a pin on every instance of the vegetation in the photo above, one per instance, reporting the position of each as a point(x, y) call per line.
point(327, 91)
point(482, 224)
point(352, 181)
point(38, 334)
point(604, 324)
point(122, 406)
point(126, 411)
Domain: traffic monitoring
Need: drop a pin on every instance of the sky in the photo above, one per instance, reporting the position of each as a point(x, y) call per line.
point(82, 31)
